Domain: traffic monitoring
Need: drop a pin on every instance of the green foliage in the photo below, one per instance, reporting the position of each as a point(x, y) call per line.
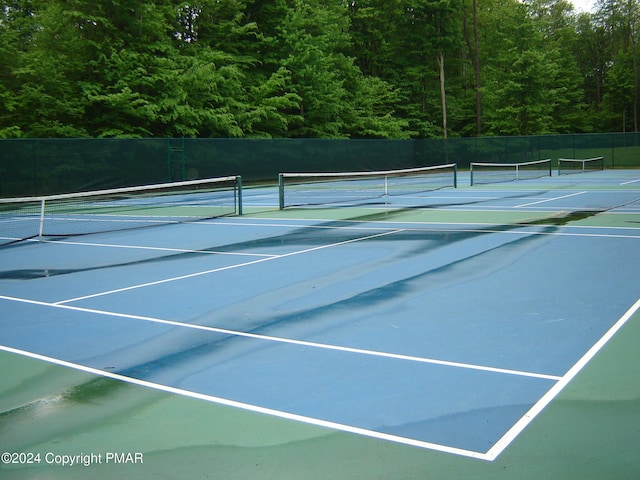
point(8, 101)
point(269, 101)
point(311, 68)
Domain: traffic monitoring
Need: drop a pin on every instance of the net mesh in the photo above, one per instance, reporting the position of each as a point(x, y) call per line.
point(46, 166)
point(483, 173)
point(307, 189)
point(118, 209)
point(574, 165)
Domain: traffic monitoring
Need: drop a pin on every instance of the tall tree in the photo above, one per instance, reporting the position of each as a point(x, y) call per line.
point(375, 31)
point(337, 100)
point(623, 19)
point(556, 21)
point(12, 42)
point(49, 73)
point(430, 33)
point(471, 37)
point(592, 54)
point(531, 82)
point(307, 68)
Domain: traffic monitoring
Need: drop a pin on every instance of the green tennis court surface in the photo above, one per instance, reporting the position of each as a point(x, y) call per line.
point(475, 332)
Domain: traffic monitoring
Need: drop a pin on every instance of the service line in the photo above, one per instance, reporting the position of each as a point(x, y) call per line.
point(548, 200)
point(291, 341)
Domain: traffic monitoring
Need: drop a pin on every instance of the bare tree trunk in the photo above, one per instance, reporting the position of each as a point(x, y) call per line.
point(476, 65)
point(443, 94)
point(635, 88)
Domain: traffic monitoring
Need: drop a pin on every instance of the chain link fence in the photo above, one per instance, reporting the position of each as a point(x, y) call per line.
point(31, 167)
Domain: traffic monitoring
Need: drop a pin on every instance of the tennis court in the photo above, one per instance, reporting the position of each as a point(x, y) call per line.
point(485, 331)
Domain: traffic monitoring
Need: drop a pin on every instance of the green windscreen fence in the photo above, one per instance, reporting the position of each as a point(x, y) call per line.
point(31, 167)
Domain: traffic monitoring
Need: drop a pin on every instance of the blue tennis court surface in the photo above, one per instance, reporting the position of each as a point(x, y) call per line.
point(446, 320)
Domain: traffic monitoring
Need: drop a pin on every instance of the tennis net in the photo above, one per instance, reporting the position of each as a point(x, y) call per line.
point(483, 173)
point(308, 189)
point(575, 165)
point(118, 209)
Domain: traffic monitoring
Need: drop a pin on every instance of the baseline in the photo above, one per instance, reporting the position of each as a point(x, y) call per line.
point(254, 408)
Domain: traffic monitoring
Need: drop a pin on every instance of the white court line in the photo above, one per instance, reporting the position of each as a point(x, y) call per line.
point(555, 234)
point(490, 455)
point(528, 417)
point(298, 252)
point(253, 408)
point(630, 181)
point(549, 200)
point(161, 249)
point(261, 222)
point(406, 225)
point(543, 209)
point(229, 267)
point(442, 227)
point(292, 341)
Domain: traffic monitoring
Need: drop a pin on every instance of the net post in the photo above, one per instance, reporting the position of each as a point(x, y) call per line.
point(281, 190)
point(239, 189)
point(41, 228)
point(455, 175)
point(550, 173)
point(386, 185)
point(471, 173)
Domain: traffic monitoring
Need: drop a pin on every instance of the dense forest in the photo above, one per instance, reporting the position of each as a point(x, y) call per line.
point(316, 68)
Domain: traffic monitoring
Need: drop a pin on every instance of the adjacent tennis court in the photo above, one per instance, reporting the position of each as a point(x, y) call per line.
point(326, 328)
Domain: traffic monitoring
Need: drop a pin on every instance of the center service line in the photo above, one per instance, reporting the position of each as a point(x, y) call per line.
point(230, 267)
